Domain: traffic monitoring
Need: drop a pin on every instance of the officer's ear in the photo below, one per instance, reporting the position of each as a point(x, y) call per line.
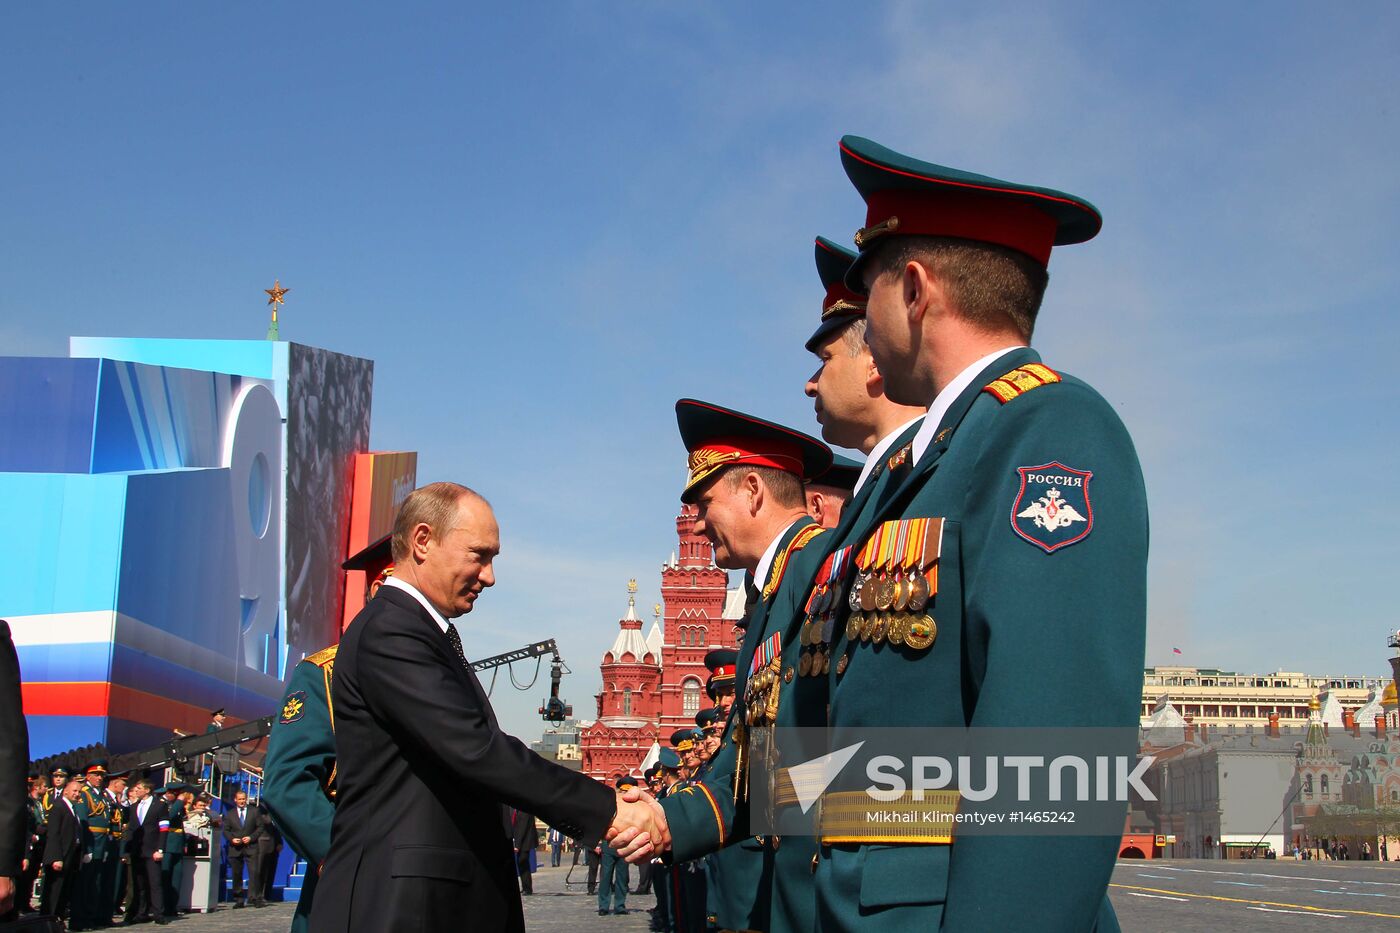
point(419, 541)
point(874, 379)
point(923, 292)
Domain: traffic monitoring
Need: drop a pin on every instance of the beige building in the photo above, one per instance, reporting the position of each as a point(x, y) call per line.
point(1216, 698)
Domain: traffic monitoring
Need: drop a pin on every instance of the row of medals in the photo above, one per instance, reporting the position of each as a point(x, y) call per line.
point(883, 605)
point(758, 694)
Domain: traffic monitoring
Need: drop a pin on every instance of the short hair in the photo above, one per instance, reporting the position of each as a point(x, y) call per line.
point(990, 286)
point(853, 336)
point(784, 487)
point(146, 783)
point(71, 781)
point(434, 505)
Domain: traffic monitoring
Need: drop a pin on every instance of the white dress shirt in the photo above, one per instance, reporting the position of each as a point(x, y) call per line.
point(878, 452)
point(412, 590)
point(944, 400)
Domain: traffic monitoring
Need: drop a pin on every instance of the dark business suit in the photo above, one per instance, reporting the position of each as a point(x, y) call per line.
point(252, 825)
point(14, 765)
point(525, 839)
point(141, 840)
point(410, 851)
point(64, 846)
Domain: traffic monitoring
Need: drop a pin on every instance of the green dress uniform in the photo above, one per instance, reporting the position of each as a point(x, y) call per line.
point(172, 860)
point(1024, 526)
point(92, 901)
point(710, 814)
point(299, 770)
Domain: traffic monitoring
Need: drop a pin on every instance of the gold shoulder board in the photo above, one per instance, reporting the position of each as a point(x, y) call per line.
point(1020, 381)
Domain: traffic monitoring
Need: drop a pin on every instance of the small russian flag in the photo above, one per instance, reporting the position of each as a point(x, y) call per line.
point(1176, 651)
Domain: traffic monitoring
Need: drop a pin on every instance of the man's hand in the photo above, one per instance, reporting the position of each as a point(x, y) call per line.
point(7, 894)
point(158, 855)
point(639, 828)
point(57, 866)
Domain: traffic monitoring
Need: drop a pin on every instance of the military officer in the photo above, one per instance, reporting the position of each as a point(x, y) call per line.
point(92, 901)
point(666, 878)
point(172, 863)
point(828, 494)
point(720, 685)
point(746, 478)
point(1009, 562)
point(689, 879)
point(299, 771)
point(613, 875)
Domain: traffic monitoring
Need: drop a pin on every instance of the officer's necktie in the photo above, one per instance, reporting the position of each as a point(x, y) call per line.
point(751, 593)
point(456, 640)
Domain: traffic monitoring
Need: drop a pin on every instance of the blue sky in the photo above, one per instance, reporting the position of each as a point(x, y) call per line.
point(546, 222)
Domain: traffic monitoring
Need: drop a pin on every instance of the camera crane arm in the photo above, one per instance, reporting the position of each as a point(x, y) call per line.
point(187, 748)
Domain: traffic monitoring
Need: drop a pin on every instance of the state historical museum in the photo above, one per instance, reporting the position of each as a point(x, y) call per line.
point(655, 684)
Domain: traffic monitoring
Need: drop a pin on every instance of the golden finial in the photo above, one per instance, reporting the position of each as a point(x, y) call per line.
point(631, 593)
point(275, 297)
point(656, 611)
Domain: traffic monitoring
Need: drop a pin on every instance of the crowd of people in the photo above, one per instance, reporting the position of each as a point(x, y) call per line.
point(106, 849)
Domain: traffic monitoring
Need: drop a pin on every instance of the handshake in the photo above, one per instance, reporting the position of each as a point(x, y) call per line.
point(638, 831)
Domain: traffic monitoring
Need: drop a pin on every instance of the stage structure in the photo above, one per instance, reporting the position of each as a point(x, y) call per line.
point(176, 512)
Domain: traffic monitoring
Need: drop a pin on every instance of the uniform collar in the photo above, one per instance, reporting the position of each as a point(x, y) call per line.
point(411, 590)
point(765, 563)
point(877, 453)
point(945, 398)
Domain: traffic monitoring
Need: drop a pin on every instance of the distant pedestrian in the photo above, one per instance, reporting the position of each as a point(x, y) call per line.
point(556, 847)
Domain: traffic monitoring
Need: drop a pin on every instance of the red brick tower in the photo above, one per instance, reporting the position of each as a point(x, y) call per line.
point(654, 685)
point(630, 704)
point(693, 589)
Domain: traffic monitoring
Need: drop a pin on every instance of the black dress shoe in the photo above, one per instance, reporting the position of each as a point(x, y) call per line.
point(237, 905)
point(621, 911)
point(602, 913)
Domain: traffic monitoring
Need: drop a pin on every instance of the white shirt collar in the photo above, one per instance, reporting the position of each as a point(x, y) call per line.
point(944, 400)
point(412, 590)
point(760, 573)
point(877, 453)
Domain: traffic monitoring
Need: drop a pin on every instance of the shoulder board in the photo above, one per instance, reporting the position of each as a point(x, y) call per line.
point(323, 658)
point(799, 541)
point(1020, 381)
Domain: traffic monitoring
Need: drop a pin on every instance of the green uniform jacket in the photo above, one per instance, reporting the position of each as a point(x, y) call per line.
point(174, 843)
point(299, 770)
point(95, 810)
point(704, 817)
point(802, 700)
point(1028, 634)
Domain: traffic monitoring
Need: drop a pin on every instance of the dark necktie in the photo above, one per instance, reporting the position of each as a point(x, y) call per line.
point(751, 594)
point(456, 640)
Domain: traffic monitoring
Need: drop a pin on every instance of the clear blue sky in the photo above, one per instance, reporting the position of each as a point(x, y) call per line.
point(545, 222)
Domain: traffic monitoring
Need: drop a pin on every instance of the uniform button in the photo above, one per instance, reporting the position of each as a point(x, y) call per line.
point(776, 840)
point(815, 859)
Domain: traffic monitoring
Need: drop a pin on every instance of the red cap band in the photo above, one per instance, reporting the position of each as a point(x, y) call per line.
point(966, 216)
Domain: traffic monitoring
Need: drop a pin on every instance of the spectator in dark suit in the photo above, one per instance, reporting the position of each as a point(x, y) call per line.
point(525, 837)
point(63, 851)
point(146, 823)
point(244, 829)
point(269, 850)
point(14, 766)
